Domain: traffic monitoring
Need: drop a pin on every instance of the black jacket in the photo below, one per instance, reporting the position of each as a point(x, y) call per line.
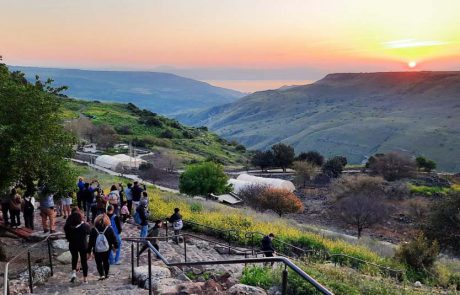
point(77, 236)
point(117, 222)
point(267, 245)
point(142, 214)
point(88, 196)
point(137, 193)
point(109, 234)
point(175, 217)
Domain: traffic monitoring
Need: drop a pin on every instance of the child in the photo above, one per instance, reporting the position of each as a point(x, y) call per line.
point(125, 212)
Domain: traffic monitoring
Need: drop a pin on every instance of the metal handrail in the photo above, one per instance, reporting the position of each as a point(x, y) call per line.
point(27, 250)
point(304, 251)
point(287, 263)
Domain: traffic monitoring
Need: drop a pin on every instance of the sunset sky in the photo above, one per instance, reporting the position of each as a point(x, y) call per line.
point(233, 41)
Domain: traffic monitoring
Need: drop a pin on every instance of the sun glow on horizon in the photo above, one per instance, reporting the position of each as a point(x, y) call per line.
point(412, 64)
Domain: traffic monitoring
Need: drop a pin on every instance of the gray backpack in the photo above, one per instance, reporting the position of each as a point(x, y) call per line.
point(102, 244)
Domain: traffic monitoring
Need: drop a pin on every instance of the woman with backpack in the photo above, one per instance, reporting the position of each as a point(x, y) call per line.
point(102, 240)
point(28, 210)
point(76, 233)
point(114, 198)
point(15, 208)
point(114, 258)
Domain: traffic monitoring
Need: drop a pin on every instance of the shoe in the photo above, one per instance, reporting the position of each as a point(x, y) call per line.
point(85, 282)
point(107, 276)
point(53, 232)
point(45, 231)
point(118, 263)
point(101, 278)
point(74, 277)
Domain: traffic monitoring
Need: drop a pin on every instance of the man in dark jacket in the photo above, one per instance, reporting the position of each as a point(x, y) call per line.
point(154, 232)
point(136, 193)
point(88, 200)
point(267, 246)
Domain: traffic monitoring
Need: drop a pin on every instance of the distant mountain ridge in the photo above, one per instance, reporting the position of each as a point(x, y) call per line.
point(352, 114)
point(160, 92)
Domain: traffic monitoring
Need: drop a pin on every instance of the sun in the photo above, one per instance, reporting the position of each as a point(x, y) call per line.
point(412, 64)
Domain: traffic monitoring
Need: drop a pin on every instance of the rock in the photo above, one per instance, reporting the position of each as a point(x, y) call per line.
point(417, 284)
point(240, 289)
point(141, 275)
point(224, 250)
point(183, 277)
point(163, 286)
point(191, 288)
point(40, 274)
point(275, 290)
point(202, 244)
point(61, 244)
point(65, 258)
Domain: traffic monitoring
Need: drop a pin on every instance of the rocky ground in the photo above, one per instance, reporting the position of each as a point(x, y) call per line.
point(212, 279)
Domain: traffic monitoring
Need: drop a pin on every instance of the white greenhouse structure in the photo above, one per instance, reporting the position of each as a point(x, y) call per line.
point(118, 162)
point(245, 180)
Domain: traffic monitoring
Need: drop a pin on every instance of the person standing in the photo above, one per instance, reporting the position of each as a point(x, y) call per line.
point(177, 224)
point(80, 184)
point(125, 214)
point(28, 210)
point(88, 199)
point(67, 202)
point(129, 197)
point(114, 198)
point(143, 217)
point(267, 246)
point(137, 194)
point(80, 198)
point(101, 203)
point(15, 208)
point(76, 233)
point(6, 208)
point(47, 211)
point(116, 226)
point(102, 240)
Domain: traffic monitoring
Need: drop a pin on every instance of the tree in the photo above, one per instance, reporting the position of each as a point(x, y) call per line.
point(304, 172)
point(283, 155)
point(262, 159)
point(203, 179)
point(280, 201)
point(425, 164)
point(334, 167)
point(443, 223)
point(34, 143)
point(420, 253)
point(313, 157)
point(360, 201)
point(392, 166)
point(105, 136)
point(250, 194)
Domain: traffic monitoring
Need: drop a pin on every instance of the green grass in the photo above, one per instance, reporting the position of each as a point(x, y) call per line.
point(429, 191)
point(187, 143)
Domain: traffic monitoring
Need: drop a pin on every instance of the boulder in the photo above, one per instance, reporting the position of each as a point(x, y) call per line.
point(65, 258)
point(224, 250)
point(61, 244)
point(240, 289)
point(165, 286)
point(141, 275)
point(417, 284)
point(40, 274)
point(191, 288)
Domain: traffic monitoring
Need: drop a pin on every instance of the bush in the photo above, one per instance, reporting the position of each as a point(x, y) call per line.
point(167, 134)
point(333, 167)
point(280, 201)
point(304, 172)
point(258, 276)
point(250, 194)
point(392, 166)
point(283, 155)
point(425, 164)
point(262, 159)
point(312, 157)
point(240, 148)
point(420, 253)
point(203, 179)
point(196, 207)
point(152, 121)
point(124, 130)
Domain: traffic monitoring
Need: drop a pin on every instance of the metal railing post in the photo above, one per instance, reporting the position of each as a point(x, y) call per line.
point(137, 252)
point(284, 281)
point(132, 263)
point(29, 264)
point(166, 222)
point(50, 257)
point(150, 270)
point(185, 251)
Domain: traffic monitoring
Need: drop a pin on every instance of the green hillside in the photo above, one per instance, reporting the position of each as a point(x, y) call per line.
point(356, 115)
point(150, 130)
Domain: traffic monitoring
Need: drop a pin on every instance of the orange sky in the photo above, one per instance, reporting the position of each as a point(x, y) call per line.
point(262, 35)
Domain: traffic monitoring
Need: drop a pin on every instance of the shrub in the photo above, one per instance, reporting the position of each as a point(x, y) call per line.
point(333, 167)
point(420, 253)
point(280, 201)
point(262, 159)
point(425, 164)
point(167, 134)
point(203, 179)
point(152, 121)
point(258, 276)
point(304, 172)
point(196, 207)
point(392, 166)
point(312, 157)
point(240, 148)
point(124, 130)
point(250, 194)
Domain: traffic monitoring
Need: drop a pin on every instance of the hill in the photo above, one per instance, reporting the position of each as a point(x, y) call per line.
point(349, 114)
point(149, 130)
point(160, 92)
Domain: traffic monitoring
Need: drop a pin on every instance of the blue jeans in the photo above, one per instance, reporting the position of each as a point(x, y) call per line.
point(115, 259)
point(144, 231)
point(88, 210)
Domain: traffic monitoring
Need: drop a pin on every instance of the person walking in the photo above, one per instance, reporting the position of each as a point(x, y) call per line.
point(47, 211)
point(267, 246)
point(76, 232)
point(88, 194)
point(80, 197)
point(142, 213)
point(102, 240)
point(28, 209)
point(177, 224)
point(116, 226)
point(67, 202)
point(114, 198)
point(137, 194)
point(129, 197)
point(15, 208)
point(154, 232)
point(125, 214)
point(101, 203)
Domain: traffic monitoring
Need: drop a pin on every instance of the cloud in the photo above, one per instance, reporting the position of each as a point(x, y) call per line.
point(407, 43)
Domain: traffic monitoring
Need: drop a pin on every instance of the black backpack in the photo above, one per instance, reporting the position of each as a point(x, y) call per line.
point(28, 206)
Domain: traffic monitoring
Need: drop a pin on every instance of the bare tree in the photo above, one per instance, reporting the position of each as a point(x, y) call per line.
point(360, 201)
point(250, 194)
point(392, 166)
